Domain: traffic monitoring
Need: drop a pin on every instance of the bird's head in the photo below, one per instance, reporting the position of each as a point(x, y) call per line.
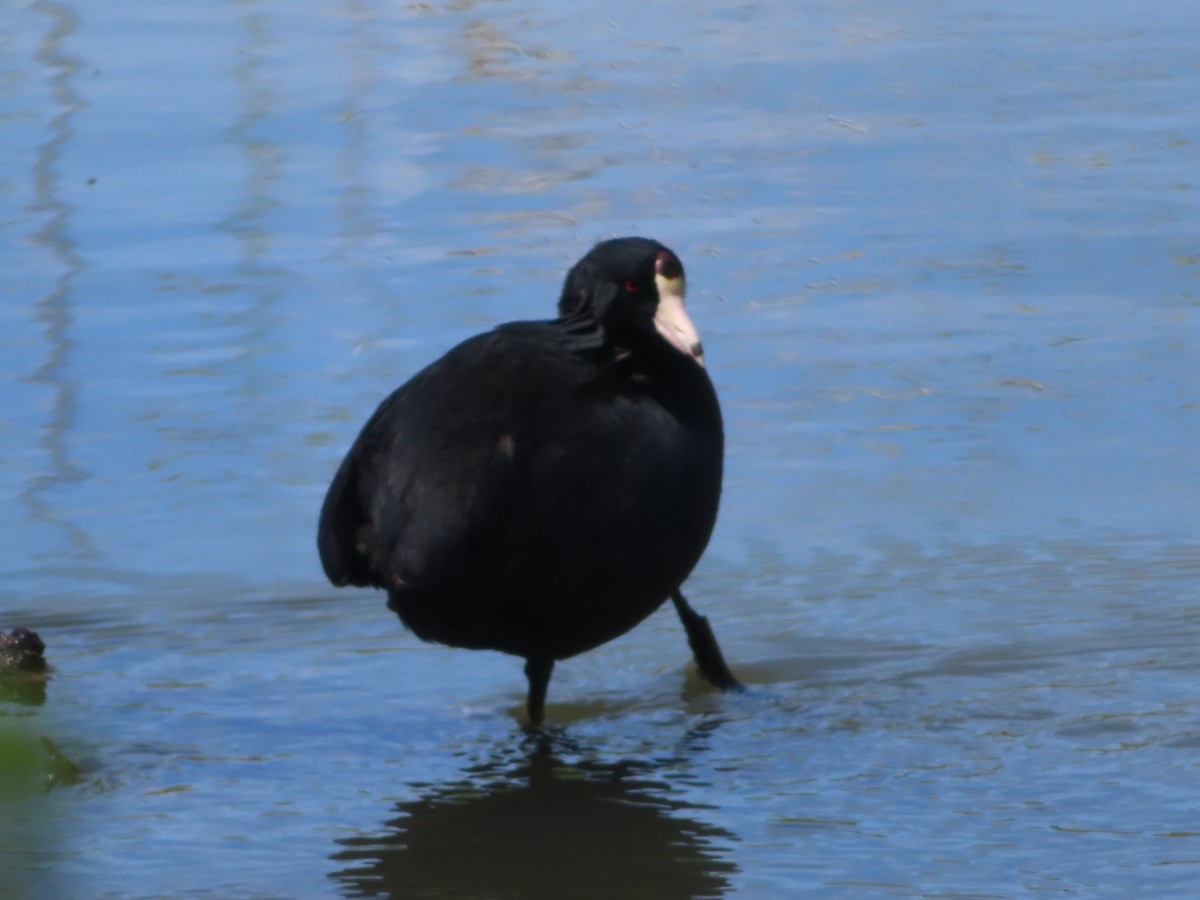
point(633, 287)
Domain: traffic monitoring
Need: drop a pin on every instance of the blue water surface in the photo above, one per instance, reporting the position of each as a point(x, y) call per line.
point(944, 261)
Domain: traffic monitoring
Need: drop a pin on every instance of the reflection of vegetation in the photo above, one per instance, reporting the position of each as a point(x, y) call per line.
point(31, 764)
point(30, 816)
point(23, 687)
point(540, 829)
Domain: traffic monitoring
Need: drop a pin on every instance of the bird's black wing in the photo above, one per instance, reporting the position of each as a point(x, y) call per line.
point(434, 469)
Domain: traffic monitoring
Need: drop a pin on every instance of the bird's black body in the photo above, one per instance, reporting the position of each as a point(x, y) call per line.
point(543, 487)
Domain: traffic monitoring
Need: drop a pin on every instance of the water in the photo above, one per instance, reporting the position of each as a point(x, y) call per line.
point(944, 262)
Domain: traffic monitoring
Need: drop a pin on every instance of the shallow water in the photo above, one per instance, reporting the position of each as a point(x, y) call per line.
point(944, 261)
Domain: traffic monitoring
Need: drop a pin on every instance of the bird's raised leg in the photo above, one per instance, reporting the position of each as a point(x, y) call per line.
point(704, 645)
point(538, 671)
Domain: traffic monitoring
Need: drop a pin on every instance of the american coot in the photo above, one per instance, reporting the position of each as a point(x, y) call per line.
point(545, 486)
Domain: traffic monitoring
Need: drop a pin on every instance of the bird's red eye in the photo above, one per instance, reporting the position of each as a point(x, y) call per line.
point(632, 286)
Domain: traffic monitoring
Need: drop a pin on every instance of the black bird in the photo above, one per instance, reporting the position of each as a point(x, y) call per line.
point(544, 487)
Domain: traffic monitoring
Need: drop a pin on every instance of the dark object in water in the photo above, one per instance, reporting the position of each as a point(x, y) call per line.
point(22, 668)
point(544, 487)
point(22, 650)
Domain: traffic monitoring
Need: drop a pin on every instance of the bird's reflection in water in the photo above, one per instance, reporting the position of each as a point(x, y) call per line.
point(540, 828)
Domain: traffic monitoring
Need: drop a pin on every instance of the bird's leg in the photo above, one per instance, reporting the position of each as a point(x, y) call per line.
point(704, 645)
point(538, 671)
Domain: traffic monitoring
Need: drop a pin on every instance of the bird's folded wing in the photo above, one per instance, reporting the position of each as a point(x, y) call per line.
point(434, 470)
